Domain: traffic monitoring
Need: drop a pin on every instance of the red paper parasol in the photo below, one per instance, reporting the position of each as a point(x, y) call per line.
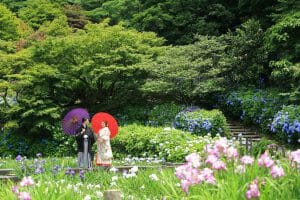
point(73, 120)
point(101, 117)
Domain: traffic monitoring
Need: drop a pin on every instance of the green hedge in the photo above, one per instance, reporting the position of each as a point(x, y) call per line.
point(164, 114)
point(265, 108)
point(202, 122)
point(13, 144)
point(171, 145)
point(158, 115)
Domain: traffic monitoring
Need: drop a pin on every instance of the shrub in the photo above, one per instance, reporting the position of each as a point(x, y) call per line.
point(13, 144)
point(133, 114)
point(202, 122)
point(164, 114)
point(169, 144)
point(252, 106)
point(286, 123)
point(260, 147)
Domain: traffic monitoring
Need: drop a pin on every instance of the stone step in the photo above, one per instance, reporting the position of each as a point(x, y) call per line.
point(256, 139)
point(242, 130)
point(6, 178)
point(235, 126)
point(248, 136)
point(6, 171)
point(244, 133)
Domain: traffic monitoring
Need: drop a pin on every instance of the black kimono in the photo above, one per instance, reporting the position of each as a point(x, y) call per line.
point(82, 131)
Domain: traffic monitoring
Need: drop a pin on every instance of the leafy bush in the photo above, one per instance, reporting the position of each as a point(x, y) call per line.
point(260, 147)
point(13, 144)
point(286, 123)
point(164, 114)
point(133, 114)
point(202, 122)
point(252, 106)
point(169, 144)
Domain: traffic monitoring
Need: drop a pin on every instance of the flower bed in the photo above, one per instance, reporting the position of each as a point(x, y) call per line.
point(202, 122)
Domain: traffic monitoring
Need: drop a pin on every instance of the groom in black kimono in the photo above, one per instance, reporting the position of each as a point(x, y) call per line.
point(83, 131)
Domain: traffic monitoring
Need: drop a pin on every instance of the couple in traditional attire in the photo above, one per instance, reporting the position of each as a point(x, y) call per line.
point(104, 154)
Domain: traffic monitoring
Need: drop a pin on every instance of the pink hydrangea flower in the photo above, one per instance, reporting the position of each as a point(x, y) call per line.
point(24, 196)
point(265, 160)
point(194, 160)
point(247, 160)
point(253, 190)
point(276, 171)
point(27, 181)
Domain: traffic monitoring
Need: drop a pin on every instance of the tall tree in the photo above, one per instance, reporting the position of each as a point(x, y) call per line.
point(37, 12)
point(283, 41)
point(94, 68)
point(186, 73)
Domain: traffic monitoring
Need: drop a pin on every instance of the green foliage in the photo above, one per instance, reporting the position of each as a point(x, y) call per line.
point(260, 147)
point(133, 114)
point(187, 72)
point(247, 54)
point(203, 122)
point(177, 21)
point(13, 144)
point(142, 141)
point(253, 106)
point(75, 15)
point(164, 114)
point(94, 68)
point(56, 28)
point(282, 40)
point(9, 24)
point(37, 12)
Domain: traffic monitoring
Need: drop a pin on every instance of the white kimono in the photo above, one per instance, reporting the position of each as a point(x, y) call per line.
point(104, 153)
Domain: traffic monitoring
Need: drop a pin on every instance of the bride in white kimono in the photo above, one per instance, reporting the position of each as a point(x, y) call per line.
point(104, 153)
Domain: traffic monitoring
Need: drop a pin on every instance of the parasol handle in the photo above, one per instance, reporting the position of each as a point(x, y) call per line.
point(85, 151)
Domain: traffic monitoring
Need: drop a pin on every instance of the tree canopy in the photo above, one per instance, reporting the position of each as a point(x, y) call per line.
point(107, 54)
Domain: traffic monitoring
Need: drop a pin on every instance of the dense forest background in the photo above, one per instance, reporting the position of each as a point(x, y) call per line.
point(107, 55)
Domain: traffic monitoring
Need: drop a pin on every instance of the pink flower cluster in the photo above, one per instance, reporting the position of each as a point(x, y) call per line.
point(247, 160)
point(275, 170)
point(220, 147)
point(294, 157)
point(190, 174)
point(265, 160)
point(26, 181)
point(253, 190)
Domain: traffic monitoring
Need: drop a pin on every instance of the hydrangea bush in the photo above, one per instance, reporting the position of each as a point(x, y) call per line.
point(286, 123)
point(13, 144)
point(265, 108)
point(202, 122)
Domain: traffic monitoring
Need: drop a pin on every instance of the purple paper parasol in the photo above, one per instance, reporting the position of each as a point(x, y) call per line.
point(73, 120)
